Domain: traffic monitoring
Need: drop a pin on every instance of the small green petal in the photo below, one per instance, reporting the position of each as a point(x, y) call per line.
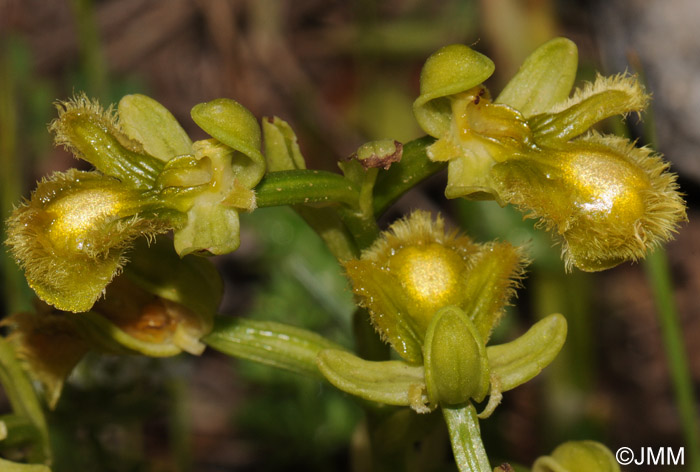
point(544, 79)
point(94, 135)
point(494, 273)
point(607, 96)
point(150, 123)
point(281, 147)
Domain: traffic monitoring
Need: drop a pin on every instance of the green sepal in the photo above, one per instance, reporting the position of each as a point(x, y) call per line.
point(518, 361)
point(150, 123)
point(281, 147)
point(578, 456)
point(450, 70)
point(456, 366)
point(544, 79)
point(232, 124)
point(49, 347)
point(384, 295)
point(270, 343)
point(388, 382)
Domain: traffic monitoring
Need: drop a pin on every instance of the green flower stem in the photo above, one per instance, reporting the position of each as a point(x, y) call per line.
point(299, 187)
point(294, 187)
point(331, 229)
point(270, 343)
point(465, 437)
point(24, 400)
point(363, 228)
point(657, 270)
point(413, 168)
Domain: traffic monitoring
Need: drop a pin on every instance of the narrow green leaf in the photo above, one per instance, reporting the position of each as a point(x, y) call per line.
point(150, 123)
point(389, 382)
point(544, 79)
point(518, 361)
point(274, 344)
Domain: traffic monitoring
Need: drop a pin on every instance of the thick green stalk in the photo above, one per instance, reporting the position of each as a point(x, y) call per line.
point(463, 426)
point(413, 168)
point(294, 187)
point(657, 270)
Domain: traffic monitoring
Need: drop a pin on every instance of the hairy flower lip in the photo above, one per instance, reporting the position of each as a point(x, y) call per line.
point(71, 235)
point(396, 280)
point(611, 206)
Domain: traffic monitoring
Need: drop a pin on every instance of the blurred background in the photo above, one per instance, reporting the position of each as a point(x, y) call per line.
point(342, 73)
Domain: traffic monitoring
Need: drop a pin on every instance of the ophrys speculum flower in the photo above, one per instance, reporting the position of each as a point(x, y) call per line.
point(605, 199)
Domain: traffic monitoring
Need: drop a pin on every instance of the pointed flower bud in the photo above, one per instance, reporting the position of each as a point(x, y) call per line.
point(415, 268)
point(605, 199)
